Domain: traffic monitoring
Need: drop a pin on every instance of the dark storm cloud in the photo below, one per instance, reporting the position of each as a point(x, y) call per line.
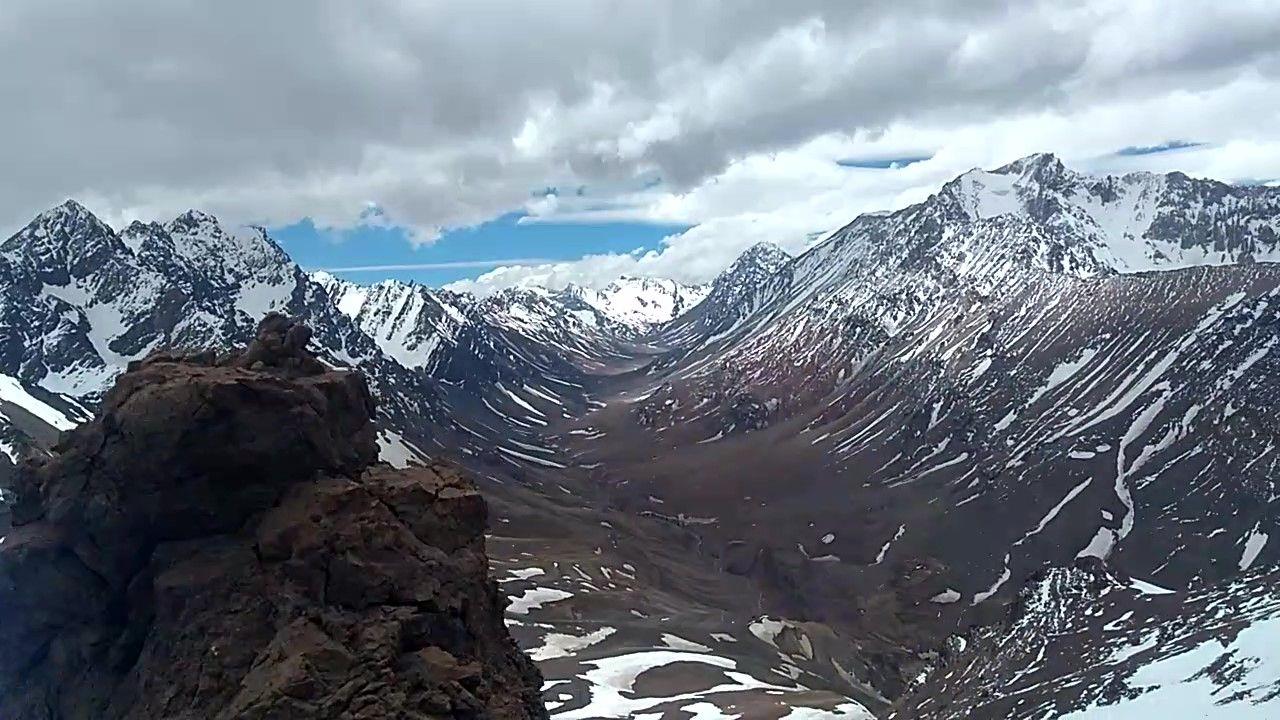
point(450, 113)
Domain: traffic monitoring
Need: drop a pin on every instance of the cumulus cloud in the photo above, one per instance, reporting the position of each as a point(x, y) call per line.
point(448, 114)
point(795, 197)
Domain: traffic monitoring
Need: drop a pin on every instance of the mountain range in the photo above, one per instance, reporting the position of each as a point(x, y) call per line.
point(1007, 452)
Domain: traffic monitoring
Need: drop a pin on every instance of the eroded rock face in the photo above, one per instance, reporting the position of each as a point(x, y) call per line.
point(218, 543)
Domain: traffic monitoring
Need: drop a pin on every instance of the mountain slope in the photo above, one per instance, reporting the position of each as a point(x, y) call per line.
point(1030, 369)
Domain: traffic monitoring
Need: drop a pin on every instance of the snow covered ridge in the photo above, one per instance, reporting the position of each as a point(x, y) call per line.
point(1129, 223)
point(1088, 644)
point(642, 302)
point(755, 278)
point(409, 322)
point(84, 300)
point(80, 300)
point(988, 359)
point(1031, 369)
point(630, 304)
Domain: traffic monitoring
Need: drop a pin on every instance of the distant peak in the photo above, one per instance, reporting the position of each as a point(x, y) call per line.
point(68, 210)
point(1031, 163)
point(144, 225)
point(765, 249)
point(764, 254)
point(195, 217)
point(68, 229)
point(645, 282)
point(760, 261)
point(72, 207)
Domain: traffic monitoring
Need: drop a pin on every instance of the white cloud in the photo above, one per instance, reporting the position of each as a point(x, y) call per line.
point(449, 114)
point(794, 196)
point(445, 265)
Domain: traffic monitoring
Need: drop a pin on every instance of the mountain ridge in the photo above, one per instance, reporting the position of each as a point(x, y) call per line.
point(882, 444)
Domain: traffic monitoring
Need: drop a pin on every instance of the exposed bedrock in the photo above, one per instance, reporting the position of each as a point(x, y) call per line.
point(218, 543)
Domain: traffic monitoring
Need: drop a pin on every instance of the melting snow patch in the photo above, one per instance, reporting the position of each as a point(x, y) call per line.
point(1146, 588)
point(1004, 577)
point(612, 683)
point(767, 629)
point(946, 597)
point(851, 710)
point(393, 450)
point(12, 391)
point(1100, 545)
point(707, 711)
point(535, 598)
point(556, 645)
point(675, 642)
point(523, 574)
point(884, 550)
point(529, 458)
point(1253, 545)
point(520, 401)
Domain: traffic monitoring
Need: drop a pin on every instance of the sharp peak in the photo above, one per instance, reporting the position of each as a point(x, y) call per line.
point(200, 218)
point(765, 247)
point(69, 220)
point(67, 209)
point(70, 205)
point(1029, 162)
point(208, 224)
point(144, 225)
point(69, 213)
point(1046, 166)
point(762, 253)
point(195, 217)
point(1035, 164)
point(642, 279)
point(523, 291)
point(765, 256)
point(394, 283)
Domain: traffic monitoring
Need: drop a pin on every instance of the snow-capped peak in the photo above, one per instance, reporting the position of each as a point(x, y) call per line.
point(347, 296)
point(409, 322)
point(1037, 163)
point(1128, 223)
point(68, 209)
point(640, 302)
point(68, 228)
point(241, 253)
point(764, 257)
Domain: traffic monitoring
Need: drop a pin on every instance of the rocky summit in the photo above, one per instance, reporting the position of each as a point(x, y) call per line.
point(219, 542)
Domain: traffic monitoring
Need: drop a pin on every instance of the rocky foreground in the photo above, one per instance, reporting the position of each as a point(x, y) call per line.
point(219, 543)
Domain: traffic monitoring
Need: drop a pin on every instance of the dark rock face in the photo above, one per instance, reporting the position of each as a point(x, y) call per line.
point(217, 543)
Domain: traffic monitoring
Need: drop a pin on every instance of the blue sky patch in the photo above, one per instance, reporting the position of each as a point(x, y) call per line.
point(882, 163)
point(1168, 146)
point(370, 253)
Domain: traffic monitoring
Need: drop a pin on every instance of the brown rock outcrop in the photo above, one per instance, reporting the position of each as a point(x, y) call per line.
point(218, 543)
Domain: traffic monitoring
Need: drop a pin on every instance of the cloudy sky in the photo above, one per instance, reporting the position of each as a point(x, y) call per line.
point(576, 141)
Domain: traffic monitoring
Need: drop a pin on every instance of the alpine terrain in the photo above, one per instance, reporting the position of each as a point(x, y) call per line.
point(1006, 453)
